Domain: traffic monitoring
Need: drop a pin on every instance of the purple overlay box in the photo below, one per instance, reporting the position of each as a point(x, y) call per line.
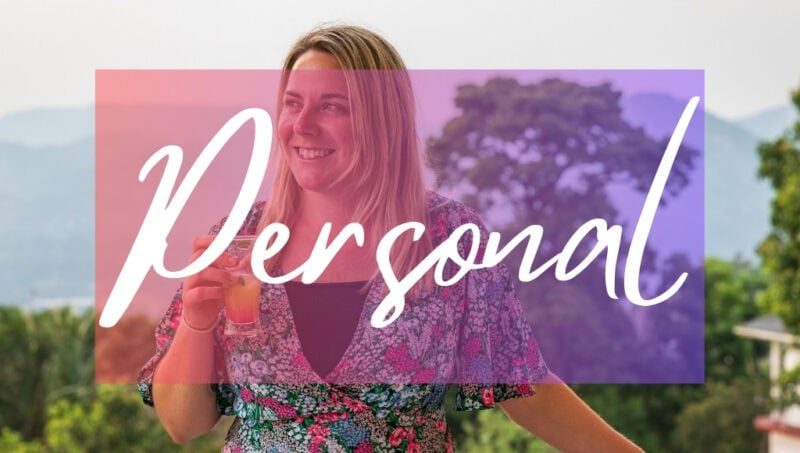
point(594, 177)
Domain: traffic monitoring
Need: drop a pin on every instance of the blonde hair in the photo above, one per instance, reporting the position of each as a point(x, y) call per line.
point(385, 176)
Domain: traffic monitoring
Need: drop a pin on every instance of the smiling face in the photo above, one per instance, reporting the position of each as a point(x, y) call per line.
point(315, 126)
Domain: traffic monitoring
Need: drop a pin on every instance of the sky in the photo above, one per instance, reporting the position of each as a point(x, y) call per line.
point(50, 50)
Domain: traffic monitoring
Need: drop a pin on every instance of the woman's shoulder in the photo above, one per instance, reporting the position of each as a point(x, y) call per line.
point(450, 212)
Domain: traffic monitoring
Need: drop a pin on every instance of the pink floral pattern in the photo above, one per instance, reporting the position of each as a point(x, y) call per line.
point(473, 333)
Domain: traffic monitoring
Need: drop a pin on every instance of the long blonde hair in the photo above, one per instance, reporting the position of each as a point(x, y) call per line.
point(385, 175)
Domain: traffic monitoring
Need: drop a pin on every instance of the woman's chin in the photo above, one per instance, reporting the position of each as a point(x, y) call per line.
point(316, 187)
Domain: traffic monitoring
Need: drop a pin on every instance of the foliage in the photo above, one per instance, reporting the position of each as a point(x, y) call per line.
point(643, 413)
point(48, 356)
point(780, 250)
point(787, 387)
point(507, 151)
point(491, 430)
point(731, 291)
point(11, 441)
point(650, 415)
point(122, 351)
point(519, 140)
point(114, 421)
point(51, 402)
point(545, 154)
point(722, 422)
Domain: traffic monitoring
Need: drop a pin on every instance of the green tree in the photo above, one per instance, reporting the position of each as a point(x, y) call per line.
point(48, 356)
point(780, 250)
point(115, 420)
point(120, 352)
point(12, 441)
point(491, 430)
point(546, 152)
point(650, 415)
point(519, 140)
point(732, 289)
point(722, 422)
point(510, 149)
point(51, 402)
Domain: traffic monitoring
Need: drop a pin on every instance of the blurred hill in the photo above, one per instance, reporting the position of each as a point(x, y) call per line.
point(42, 127)
point(770, 123)
point(736, 201)
point(47, 224)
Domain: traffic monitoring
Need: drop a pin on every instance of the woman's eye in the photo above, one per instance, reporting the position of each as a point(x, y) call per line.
point(292, 105)
point(330, 107)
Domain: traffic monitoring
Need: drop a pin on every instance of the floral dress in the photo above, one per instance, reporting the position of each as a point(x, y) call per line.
point(472, 334)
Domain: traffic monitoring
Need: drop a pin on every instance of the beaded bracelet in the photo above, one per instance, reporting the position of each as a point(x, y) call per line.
point(194, 329)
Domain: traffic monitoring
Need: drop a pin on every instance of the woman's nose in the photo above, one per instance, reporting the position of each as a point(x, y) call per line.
point(306, 123)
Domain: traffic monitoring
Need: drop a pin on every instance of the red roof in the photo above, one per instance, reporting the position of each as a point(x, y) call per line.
point(769, 424)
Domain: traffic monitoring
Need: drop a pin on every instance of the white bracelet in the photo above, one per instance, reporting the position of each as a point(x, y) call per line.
point(194, 329)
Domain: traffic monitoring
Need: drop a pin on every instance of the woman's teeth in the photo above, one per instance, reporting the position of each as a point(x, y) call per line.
point(313, 153)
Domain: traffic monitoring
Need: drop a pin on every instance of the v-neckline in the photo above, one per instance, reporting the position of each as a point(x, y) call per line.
point(358, 335)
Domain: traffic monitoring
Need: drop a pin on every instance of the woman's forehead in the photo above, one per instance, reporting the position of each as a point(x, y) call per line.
point(315, 59)
point(316, 72)
point(317, 82)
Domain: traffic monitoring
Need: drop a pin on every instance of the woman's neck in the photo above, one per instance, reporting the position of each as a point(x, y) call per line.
point(317, 209)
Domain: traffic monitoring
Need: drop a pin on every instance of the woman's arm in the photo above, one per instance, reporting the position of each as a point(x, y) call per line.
point(188, 410)
point(559, 417)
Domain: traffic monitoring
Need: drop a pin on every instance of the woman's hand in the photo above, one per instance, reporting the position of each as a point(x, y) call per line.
point(204, 292)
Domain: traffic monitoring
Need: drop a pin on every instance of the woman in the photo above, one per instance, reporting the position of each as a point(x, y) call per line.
point(349, 154)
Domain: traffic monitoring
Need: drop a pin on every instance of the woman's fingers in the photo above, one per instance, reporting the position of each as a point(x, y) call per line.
point(199, 246)
point(211, 276)
point(243, 263)
point(202, 242)
point(200, 294)
point(204, 292)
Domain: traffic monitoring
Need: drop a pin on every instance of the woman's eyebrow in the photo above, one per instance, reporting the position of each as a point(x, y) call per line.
point(334, 95)
point(324, 96)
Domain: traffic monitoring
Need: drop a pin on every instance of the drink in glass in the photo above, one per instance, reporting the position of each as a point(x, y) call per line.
point(244, 295)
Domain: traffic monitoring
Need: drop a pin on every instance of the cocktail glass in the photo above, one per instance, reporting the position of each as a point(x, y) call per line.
point(244, 295)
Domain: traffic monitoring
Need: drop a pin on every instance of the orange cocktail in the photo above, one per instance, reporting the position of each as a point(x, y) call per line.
point(241, 305)
point(244, 295)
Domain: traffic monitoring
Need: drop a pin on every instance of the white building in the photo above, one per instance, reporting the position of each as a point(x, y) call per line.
point(782, 426)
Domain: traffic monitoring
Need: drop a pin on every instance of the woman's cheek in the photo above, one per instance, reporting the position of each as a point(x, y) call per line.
point(285, 128)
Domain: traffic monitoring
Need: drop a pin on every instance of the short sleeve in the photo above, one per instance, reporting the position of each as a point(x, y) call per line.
point(498, 356)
